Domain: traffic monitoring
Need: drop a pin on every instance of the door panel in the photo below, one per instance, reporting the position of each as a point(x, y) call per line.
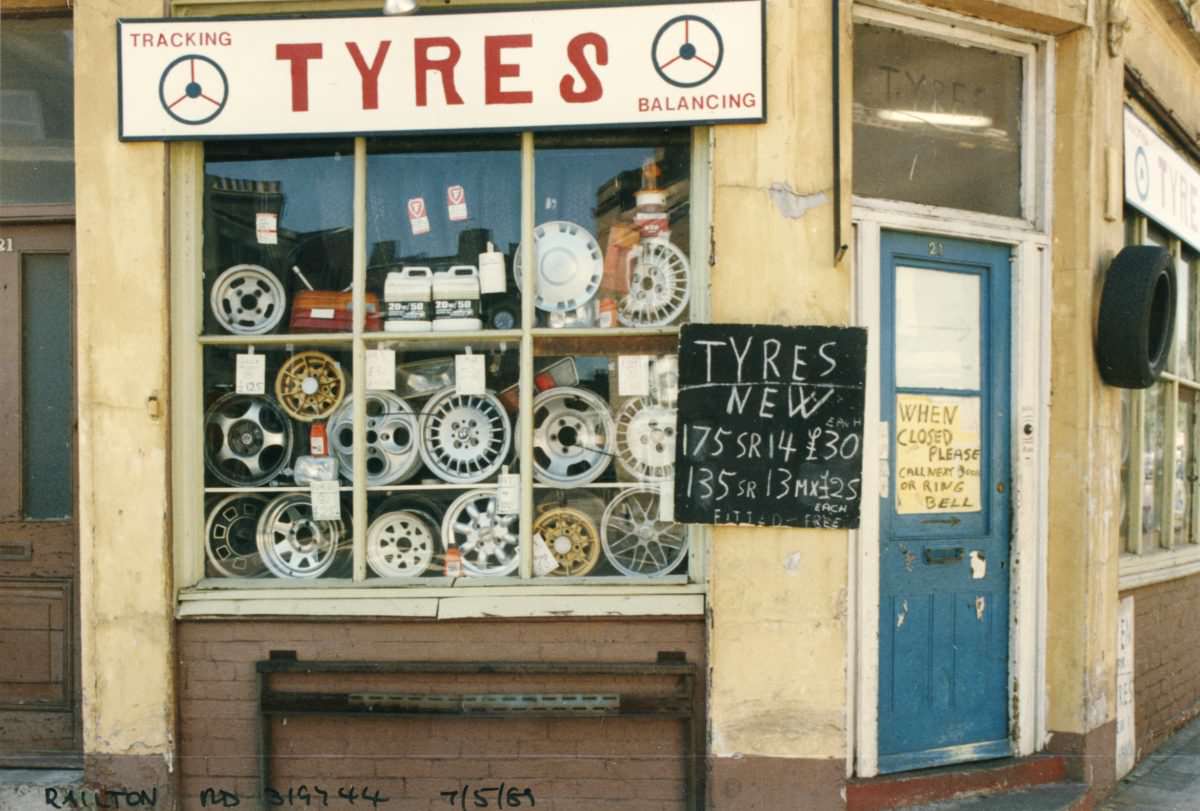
point(944, 523)
point(39, 627)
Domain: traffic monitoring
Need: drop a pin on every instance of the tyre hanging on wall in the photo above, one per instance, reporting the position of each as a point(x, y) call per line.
point(1137, 317)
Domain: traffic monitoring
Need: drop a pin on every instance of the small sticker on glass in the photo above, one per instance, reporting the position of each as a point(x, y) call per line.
point(470, 376)
point(417, 217)
point(266, 228)
point(326, 501)
point(633, 375)
point(508, 494)
point(381, 369)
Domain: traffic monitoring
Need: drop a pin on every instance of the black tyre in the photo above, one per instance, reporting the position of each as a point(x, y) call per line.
point(1137, 317)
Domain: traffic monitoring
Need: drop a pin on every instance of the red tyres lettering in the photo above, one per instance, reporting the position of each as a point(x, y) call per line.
point(423, 63)
point(592, 89)
point(370, 75)
point(495, 70)
point(299, 53)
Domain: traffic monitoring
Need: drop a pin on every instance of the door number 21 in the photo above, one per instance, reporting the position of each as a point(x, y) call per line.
point(936, 248)
point(6, 244)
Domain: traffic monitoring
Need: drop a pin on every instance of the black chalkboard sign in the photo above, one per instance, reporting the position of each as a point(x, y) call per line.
point(770, 425)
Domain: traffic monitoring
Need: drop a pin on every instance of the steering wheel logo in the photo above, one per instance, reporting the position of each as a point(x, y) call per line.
point(687, 51)
point(193, 89)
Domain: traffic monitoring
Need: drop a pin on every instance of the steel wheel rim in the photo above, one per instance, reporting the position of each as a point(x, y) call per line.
point(489, 543)
point(646, 440)
point(248, 440)
point(292, 544)
point(573, 436)
point(659, 286)
point(310, 385)
point(231, 535)
point(635, 542)
point(464, 438)
point(391, 434)
point(400, 544)
point(572, 539)
point(247, 300)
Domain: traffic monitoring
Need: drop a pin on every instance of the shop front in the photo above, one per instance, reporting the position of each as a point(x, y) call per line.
point(389, 489)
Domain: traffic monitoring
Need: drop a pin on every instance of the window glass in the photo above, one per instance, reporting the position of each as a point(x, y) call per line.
point(1185, 464)
point(37, 125)
point(47, 387)
point(1153, 450)
point(1185, 325)
point(937, 329)
point(440, 421)
point(1126, 433)
point(936, 122)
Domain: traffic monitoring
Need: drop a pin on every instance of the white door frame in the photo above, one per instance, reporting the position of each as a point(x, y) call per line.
point(1030, 461)
point(1029, 238)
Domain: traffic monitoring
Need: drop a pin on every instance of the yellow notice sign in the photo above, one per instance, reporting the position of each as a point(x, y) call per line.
point(937, 454)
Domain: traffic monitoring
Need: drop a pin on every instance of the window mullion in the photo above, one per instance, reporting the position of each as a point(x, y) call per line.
point(1167, 487)
point(359, 359)
point(525, 382)
point(1135, 471)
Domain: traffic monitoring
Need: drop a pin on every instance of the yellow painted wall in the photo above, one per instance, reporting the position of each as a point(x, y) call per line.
point(121, 334)
point(778, 596)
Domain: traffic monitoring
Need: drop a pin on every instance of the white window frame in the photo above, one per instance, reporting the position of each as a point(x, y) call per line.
point(1029, 238)
point(520, 596)
point(1141, 563)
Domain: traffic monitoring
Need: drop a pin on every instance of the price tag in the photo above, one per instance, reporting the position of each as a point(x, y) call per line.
point(381, 369)
point(326, 501)
point(666, 501)
point(508, 494)
point(321, 312)
point(543, 559)
point(633, 375)
point(251, 374)
point(456, 203)
point(266, 228)
point(417, 218)
point(470, 376)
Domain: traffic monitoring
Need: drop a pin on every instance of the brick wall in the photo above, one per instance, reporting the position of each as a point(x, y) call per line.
point(1166, 681)
point(600, 764)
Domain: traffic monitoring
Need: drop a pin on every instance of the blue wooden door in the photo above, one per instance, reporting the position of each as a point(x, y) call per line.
point(944, 511)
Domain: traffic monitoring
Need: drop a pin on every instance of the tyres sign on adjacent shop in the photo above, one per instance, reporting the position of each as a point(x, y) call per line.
point(641, 65)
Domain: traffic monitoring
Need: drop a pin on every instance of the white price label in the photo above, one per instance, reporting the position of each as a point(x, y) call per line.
point(326, 501)
point(266, 228)
point(381, 369)
point(470, 376)
point(543, 559)
point(666, 501)
point(633, 375)
point(251, 374)
point(508, 494)
point(321, 312)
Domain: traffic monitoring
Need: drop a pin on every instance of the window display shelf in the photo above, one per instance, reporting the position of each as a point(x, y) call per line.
point(437, 341)
point(280, 339)
point(417, 488)
point(283, 489)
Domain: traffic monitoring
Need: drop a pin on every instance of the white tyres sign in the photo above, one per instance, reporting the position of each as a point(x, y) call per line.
point(1161, 183)
point(642, 65)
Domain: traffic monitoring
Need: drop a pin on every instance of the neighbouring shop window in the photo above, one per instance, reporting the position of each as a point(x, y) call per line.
point(37, 121)
point(450, 488)
point(937, 122)
point(1160, 441)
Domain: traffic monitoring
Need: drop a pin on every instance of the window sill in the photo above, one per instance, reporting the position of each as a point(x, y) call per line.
point(455, 602)
point(1158, 567)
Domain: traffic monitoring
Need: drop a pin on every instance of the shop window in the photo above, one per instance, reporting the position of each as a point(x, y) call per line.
point(37, 121)
point(1160, 440)
point(937, 122)
point(457, 434)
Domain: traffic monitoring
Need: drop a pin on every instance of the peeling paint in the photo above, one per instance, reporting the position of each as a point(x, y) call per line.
point(792, 204)
point(978, 565)
point(792, 563)
point(903, 615)
point(980, 606)
point(909, 558)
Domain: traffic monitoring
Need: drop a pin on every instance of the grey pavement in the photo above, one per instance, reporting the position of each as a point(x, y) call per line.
point(1168, 780)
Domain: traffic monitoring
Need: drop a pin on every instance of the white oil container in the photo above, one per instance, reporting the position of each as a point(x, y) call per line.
point(456, 299)
point(408, 300)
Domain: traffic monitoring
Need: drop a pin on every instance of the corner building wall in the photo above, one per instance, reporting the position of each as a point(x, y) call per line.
point(589, 763)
